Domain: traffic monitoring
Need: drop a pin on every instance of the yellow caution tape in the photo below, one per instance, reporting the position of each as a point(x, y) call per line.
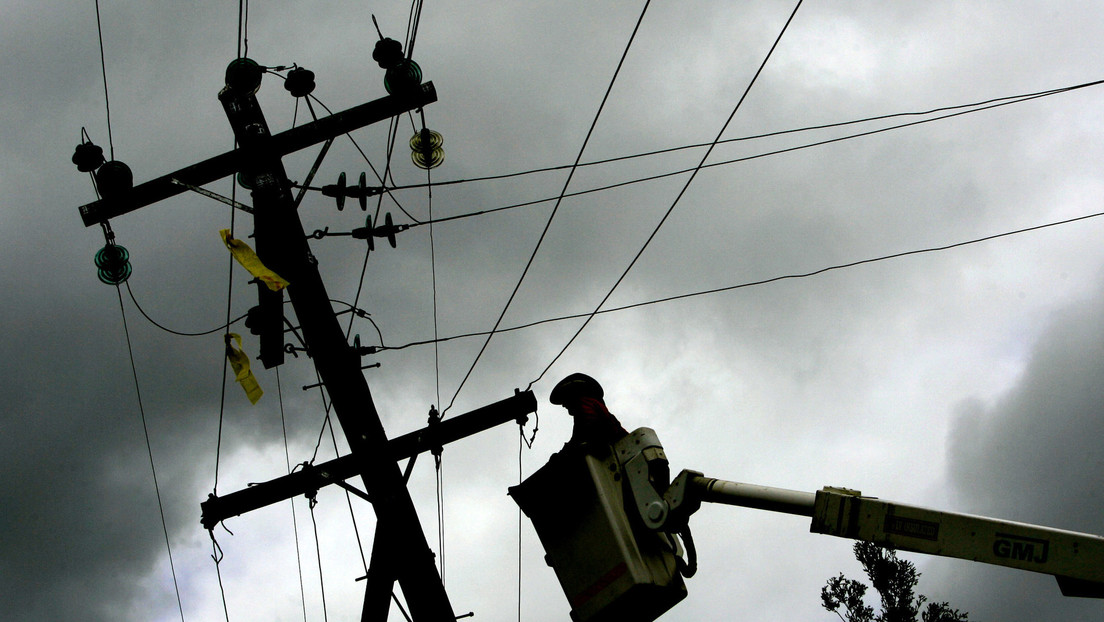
point(251, 262)
point(240, 364)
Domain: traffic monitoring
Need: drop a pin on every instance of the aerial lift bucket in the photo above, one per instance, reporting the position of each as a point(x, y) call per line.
point(609, 565)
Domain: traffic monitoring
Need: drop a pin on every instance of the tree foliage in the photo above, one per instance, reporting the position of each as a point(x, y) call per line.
point(895, 581)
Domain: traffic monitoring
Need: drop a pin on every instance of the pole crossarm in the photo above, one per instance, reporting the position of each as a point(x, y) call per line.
point(289, 141)
point(218, 508)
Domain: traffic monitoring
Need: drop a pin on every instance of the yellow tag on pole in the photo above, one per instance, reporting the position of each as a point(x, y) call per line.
point(239, 362)
point(251, 262)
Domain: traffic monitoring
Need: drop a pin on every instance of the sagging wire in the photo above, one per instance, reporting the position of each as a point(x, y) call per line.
point(178, 332)
point(678, 197)
point(555, 208)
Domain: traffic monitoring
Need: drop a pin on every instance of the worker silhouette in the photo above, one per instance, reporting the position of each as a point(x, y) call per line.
point(595, 428)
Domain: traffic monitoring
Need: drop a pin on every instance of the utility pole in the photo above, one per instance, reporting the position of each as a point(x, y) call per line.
point(400, 552)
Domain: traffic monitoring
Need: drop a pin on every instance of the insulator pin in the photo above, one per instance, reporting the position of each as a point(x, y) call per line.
point(113, 262)
point(388, 53)
point(360, 192)
point(300, 82)
point(426, 151)
point(404, 76)
point(388, 230)
point(243, 75)
point(114, 179)
point(88, 157)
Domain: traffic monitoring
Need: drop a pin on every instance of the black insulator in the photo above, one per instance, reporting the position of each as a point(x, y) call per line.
point(114, 179)
point(387, 53)
point(365, 233)
point(388, 230)
point(300, 82)
point(404, 76)
point(337, 191)
point(113, 262)
point(88, 157)
point(244, 75)
point(244, 181)
point(362, 194)
point(426, 151)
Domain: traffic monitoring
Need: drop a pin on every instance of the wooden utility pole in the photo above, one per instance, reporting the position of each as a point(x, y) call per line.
point(401, 552)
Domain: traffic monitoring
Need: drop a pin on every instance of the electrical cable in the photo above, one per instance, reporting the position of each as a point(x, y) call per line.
point(1002, 101)
point(775, 279)
point(986, 103)
point(318, 553)
point(380, 178)
point(103, 68)
point(149, 450)
point(178, 332)
point(291, 502)
point(555, 208)
point(217, 555)
point(413, 22)
point(243, 27)
point(521, 443)
point(678, 197)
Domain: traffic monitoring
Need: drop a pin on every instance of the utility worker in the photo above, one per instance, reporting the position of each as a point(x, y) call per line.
point(594, 425)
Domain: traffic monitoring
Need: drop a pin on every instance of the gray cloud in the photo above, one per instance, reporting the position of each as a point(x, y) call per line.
point(850, 378)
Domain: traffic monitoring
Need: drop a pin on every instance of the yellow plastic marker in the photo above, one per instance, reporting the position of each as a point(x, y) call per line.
point(251, 262)
point(240, 363)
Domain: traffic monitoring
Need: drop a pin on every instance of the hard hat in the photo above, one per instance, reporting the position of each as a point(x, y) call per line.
point(575, 386)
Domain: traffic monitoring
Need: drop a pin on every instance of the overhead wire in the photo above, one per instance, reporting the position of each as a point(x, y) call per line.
point(103, 68)
point(149, 451)
point(174, 331)
point(980, 105)
point(678, 197)
point(291, 502)
point(1003, 101)
point(129, 344)
point(555, 208)
point(766, 281)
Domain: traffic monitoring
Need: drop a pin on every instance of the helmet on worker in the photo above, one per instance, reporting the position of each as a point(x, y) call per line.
point(571, 389)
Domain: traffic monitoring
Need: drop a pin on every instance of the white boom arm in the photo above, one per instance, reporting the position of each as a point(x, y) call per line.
point(1075, 559)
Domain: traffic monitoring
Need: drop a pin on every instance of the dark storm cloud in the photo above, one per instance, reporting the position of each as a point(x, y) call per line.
point(775, 383)
point(1034, 455)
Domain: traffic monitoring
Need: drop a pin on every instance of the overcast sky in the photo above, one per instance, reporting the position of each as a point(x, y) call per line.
point(966, 380)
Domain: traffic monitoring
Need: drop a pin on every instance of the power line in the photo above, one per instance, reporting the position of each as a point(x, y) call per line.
point(291, 502)
point(1014, 100)
point(986, 105)
point(678, 197)
point(149, 451)
point(178, 332)
point(556, 207)
point(103, 68)
point(749, 284)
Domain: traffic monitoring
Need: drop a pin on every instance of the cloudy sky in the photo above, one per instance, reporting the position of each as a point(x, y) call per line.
point(966, 380)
